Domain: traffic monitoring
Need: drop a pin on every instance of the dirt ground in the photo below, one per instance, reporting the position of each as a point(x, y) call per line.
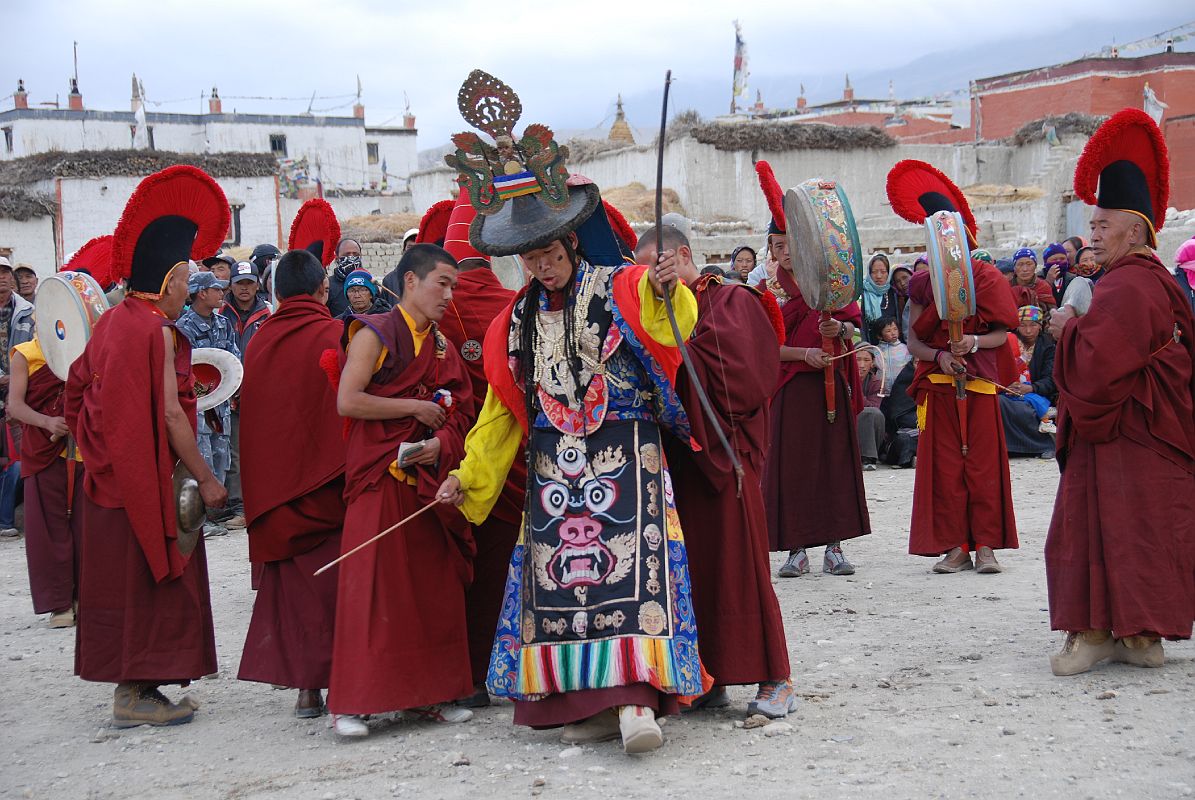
point(912, 685)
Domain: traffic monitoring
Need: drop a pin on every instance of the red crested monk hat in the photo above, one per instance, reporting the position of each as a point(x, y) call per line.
point(315, 230)
point(94, 258)
point(1126, 167)
point(174, 216)
point(433, 228)
point(918, 190)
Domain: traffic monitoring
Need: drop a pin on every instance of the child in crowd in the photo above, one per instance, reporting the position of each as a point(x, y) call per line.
point(892, 351)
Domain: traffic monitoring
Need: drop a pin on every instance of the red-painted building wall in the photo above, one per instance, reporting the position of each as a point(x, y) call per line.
point(1097, 86)
point(1180, 140)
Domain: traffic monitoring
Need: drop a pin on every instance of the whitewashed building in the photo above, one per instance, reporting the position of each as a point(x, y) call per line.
point(66, 173)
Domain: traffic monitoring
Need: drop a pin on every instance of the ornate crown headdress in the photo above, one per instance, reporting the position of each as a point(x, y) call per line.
point(493, 174)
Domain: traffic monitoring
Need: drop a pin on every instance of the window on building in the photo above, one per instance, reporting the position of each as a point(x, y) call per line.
point(278, 144)
point(371, 152)
point(8, 140)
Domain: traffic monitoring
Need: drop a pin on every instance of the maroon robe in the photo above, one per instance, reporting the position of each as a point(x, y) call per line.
point(400, 637)
point(813, 479)
point(478, 299)
point(145, 613)
point(53, 537)
point(1120, 554)
point(957, 501)
point(292, 452)
point(740, 629)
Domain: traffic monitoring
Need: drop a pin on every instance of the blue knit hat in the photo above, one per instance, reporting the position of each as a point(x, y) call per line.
point(360, 277)
point(1052, 250)
point(1024, 252)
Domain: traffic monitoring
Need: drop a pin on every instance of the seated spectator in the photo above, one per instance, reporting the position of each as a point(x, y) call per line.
point(26, 281)
point(1024, 273)
point(203, 327)
point(870, 421)
point(1058, 270)
point(362, 295)
point(900, 415)
point(901, 274)
point(1184, 269)
point(878, 298)
point(1028, 429)
point(742, 261)
point(893, 353)
point(920, 263)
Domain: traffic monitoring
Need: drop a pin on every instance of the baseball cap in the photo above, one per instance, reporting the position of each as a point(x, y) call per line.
point(410, 234)
point(26, 267)
point(245, 271)
point(204, 280)
point(4, 262)
point(218, 257)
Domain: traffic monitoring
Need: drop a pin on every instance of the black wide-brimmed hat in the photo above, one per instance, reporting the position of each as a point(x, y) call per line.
point(518, 187)
point(1126, 167)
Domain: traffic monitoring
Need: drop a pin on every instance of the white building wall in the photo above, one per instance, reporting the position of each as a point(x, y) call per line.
point(31, 241)
point(397, 147)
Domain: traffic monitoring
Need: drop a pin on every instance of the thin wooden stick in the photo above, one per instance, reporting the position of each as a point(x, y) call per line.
point(391, 529)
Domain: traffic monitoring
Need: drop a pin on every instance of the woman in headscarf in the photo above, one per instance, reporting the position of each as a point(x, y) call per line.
point(742, 261)
point(878, 300)
point(1028, 429)
point(1083, 274)
point(1024, 273)
point(901, 274)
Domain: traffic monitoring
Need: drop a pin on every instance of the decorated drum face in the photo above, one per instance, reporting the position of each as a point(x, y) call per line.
point(824, 244)
point(950, 272)
point(66, 309)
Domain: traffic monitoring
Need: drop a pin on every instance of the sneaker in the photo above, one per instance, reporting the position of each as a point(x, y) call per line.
point(774, 700)
point(1140, 651)
point(211, 529)
point(9, 533)
point(1047, 427)
point(62, 619)
point(797, 564)
point(869, 466)
point(714, 698)
point(349, 726)
point(835, 563)
point(439, 712)
point(1082, 651)
point(640, 731)
point(136, 704)
point(601, 727)
point(237, 521)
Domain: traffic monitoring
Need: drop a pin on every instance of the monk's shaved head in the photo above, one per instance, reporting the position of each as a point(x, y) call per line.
point(1114, 234)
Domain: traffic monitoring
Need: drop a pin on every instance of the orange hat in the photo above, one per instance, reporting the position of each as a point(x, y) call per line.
point(456, 238)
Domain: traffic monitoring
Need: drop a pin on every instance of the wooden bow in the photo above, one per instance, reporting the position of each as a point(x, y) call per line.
point(702, 397)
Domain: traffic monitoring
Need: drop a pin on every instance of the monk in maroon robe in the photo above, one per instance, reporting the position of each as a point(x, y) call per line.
point(813, 479)
point(292, 450)
point(53, 486)
point(741, 631)
point(962, 504)
point(479, 297)
point(400, 640)
point(1120, 555)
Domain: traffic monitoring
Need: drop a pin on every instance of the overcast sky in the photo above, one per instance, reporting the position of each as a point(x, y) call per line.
point(567, 61)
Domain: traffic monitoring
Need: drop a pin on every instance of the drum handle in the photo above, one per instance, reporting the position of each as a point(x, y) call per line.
point(828, 370)
point(955, 330)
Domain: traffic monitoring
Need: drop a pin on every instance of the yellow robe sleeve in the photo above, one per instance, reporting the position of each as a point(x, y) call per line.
point(653, 315)
point(490, 450)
